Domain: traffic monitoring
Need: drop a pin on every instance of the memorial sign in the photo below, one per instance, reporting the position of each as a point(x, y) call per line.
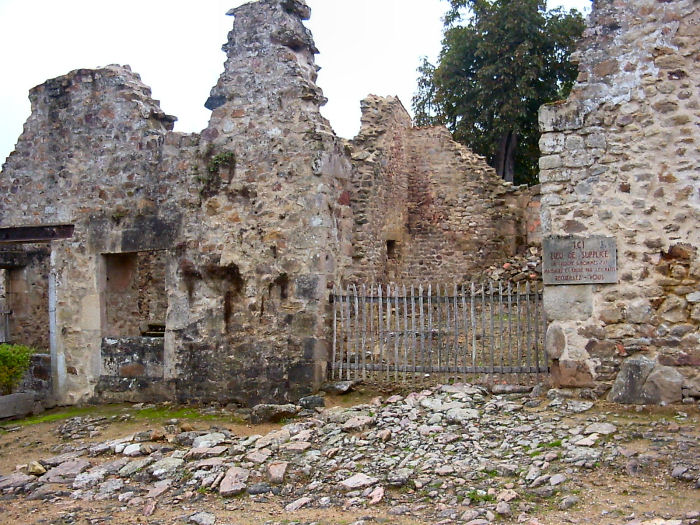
point(579, 260)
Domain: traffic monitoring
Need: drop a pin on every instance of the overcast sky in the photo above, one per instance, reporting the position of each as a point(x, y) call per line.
point(366, 46)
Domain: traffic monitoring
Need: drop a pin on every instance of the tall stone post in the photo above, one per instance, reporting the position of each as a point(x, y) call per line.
point(265, 248)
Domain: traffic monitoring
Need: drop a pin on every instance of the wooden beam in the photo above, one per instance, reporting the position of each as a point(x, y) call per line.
point(23, 234)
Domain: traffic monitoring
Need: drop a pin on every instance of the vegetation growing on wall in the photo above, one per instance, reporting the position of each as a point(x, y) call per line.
point(14, 363)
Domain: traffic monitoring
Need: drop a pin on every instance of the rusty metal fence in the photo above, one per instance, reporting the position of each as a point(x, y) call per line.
point(399, 332)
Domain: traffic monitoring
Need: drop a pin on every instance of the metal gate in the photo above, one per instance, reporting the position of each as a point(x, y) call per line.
point(399, 332)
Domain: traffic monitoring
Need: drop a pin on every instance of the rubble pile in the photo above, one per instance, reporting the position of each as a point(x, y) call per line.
point(453, 453)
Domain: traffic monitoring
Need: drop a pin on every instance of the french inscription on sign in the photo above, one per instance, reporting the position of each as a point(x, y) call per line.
point(579, 260)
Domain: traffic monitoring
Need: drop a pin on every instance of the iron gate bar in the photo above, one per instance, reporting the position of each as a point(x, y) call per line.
point(454, 331)
point(457, 370)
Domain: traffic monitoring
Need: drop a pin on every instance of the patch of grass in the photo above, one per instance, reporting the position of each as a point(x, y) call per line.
point(55, 415)
point(157, 413)
point(553, 444)
point(477, 497)
point(164, 412)
point(491, 473)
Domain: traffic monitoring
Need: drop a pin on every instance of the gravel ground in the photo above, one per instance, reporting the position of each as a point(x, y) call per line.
point(449, 454)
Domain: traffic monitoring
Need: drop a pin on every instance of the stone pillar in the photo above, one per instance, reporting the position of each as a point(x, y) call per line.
point(78, 335)
point(248, 310)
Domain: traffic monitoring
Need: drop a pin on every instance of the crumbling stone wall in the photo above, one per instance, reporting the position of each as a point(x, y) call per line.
point(88, 156)
point(245, 215)
point(247, 319)
point(27, 299)
point(425, 207)
point(620, 158)
point(233, 236)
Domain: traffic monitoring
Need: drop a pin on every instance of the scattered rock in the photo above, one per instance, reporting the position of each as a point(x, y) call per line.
point(503, 508)
point(35, 468)
point(18, 479)
point(312, 402)
point(358, 423)
point(276, 471)
point(568, 502)
point(202, 518)
point(600, 428)
point(297, 504)
point(272, 413)
point(65, 472)
point(376, 495)
point(358, 481)
point(338, 387)
point(165, 467)
point(233, 482)
point(208, 440)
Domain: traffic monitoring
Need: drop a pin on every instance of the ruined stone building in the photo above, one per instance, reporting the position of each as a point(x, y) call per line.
point(621, 158)
point(162, 265)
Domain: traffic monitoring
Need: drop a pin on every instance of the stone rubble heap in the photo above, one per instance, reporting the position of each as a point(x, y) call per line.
point(519, 268)
point(475, 457)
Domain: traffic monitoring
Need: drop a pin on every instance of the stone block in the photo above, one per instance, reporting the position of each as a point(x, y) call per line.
point(550, 162)
point(552, 143)
point(663, 385)
point(568, 302)
point(555, 341)
point(16, 405)
point(307, 287)
point(639, 311)
point(560, 117)
point(690, 357)
point(629, 384)
point(673, 309)
point(610, 314)
point(573, 372)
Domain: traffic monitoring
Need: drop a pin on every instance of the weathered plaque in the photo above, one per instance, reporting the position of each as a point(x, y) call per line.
point(579, 260)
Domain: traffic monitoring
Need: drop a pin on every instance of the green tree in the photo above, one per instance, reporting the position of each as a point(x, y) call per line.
point(500, 61)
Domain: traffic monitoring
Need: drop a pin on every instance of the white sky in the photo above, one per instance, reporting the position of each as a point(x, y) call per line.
point(367, 46)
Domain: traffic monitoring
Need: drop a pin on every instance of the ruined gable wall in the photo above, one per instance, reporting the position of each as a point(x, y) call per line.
point(620, 158)
point(248, 215)
point(88, 156)
point(439, 210)
point(379, 196)
point(247, 318)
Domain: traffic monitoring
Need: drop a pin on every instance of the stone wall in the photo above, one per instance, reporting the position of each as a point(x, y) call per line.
point(232, 237)
point(132, 370)
point(88, 156)
point(245, 217)
point(247, 318)
point(425, 207)
point(28, 299)
point(620, 158)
